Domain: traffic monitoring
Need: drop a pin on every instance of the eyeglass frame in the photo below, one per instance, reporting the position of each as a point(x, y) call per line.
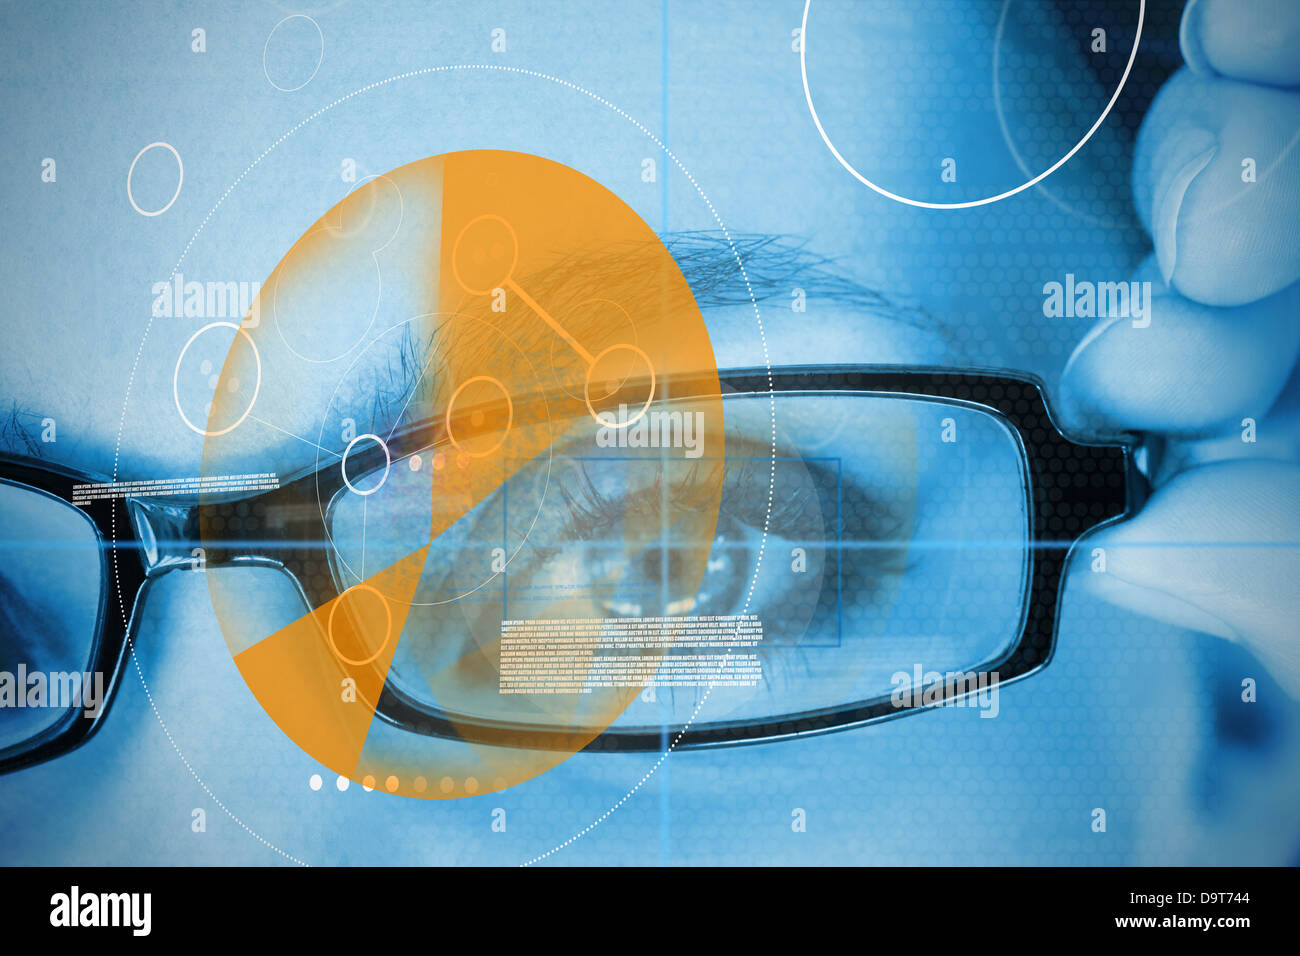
point(147, 538)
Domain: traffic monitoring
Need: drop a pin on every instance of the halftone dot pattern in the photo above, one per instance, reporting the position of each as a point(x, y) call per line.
point(946, 786)
point(316, 570)
point(1042, 93)
point(959, 139)
point(991, 263)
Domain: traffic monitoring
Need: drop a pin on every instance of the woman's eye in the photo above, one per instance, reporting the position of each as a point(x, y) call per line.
point(660, 580)
point(796, 595)
point(866, 546)
point(727, 571)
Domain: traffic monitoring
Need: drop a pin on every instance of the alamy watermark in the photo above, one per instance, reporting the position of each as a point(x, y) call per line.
point(207, 300)
point(653, 429)
point(65, 690)
point(75, 908)
point(1084, 299)
point(922, 688)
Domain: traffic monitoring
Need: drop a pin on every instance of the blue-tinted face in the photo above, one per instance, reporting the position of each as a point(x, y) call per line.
point(849, 277)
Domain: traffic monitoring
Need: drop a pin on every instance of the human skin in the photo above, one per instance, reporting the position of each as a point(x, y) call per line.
point(937, 788)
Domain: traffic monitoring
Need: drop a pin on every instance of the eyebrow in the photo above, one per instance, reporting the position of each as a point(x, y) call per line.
point(20, 432)
point(774, 265)
point(710, 261)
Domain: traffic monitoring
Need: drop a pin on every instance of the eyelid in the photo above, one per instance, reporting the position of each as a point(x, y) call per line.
point(785, 513)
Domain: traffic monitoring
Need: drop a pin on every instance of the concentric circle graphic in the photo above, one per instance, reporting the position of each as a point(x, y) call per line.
point(413, 638)
point(986, 200)
point(420, 781)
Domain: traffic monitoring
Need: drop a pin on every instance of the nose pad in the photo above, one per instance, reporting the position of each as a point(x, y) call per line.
point(250, 601)
point(179, 674)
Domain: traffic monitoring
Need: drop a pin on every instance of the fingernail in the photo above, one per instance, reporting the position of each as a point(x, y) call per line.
point(1189, 39)
point(1183, 158)
point(1083, 397)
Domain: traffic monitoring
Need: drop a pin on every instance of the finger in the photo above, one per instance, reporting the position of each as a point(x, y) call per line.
point(1252, 40)
point(1216, 178)
point(1185, 370)
point(1216, 550)
point(1275, 437)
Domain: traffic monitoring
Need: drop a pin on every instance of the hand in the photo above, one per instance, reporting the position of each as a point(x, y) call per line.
point(1217, 183)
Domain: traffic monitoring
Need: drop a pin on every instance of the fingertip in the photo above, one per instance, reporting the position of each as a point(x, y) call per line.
point(1142, 598)
point(1183, 370)
point(1085, 392)
point(1188, 152)
point(1255, 41)
point(1190, 30)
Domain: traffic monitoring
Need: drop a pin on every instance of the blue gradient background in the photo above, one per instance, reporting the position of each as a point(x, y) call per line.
point(1133, 716)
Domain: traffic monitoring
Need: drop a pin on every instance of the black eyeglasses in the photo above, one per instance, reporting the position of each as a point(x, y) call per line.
point(883, 541)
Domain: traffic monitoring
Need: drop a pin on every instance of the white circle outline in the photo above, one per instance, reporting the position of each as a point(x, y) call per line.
point(176, 374)
point(180, 181)
point(803, 70)
point(343, 465)
point(319, 59)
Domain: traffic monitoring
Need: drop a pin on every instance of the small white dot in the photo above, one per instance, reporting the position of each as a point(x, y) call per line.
point(205, 368)
point(314, 782)
point(213, 380)
point(416, 463)
point(342, 783)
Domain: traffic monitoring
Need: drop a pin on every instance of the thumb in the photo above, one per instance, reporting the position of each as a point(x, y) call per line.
point(1216, 177)
point(1190, 371)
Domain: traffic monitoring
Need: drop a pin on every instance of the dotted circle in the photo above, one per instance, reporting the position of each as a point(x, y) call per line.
point(117, 449)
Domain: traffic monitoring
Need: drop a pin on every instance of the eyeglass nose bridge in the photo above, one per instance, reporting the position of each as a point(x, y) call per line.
point(168, 539)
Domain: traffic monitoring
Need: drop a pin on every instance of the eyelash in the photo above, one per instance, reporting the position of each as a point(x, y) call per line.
point(591, 511)
point(744, 498)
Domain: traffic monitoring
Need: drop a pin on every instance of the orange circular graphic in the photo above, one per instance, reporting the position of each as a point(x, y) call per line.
point(476, 418)
point(621, 421)
point(469, 657)
point(388, 626)
point(485, 254)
